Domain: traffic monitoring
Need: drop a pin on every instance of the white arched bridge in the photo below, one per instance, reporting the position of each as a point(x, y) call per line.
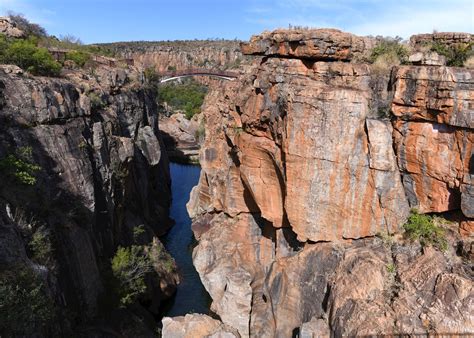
point(170, 76)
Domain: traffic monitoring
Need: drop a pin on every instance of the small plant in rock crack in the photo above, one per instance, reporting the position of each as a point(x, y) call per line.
point(391, 268)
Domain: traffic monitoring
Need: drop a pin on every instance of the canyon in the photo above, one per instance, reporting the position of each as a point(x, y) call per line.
point(312, 161)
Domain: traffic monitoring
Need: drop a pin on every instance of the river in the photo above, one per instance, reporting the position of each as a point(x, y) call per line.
point(191, 296)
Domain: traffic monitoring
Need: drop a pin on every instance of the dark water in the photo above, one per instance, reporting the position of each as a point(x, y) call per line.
point(191, 295)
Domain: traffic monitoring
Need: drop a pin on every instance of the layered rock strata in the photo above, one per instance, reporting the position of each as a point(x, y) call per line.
point(296, 154)
point(181, 55)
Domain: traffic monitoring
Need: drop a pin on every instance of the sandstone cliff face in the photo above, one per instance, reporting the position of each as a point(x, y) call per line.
point(103, 173)
point(295, 155)
point(180, 55)
point(434, 138)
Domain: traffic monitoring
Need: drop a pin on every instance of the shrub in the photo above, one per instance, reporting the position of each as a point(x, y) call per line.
point(24, 304)
point(138, 231)
point(26, 55)
point(41, 246)
point(392, 49)
point(97, 102)
point(130, 266)
point(151, 76)
point(455, 54)
point(79, 57)
point(423, 228)
point(20, 166)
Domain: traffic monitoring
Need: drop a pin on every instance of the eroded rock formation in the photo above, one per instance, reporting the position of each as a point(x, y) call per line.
point(102, 174)
point(296, 155)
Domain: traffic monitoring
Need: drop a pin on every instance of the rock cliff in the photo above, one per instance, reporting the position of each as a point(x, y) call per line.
point(100, 173)
point(299, 175)
point(179, 55)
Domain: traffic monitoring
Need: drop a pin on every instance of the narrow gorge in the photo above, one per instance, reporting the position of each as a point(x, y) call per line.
point(331, 192)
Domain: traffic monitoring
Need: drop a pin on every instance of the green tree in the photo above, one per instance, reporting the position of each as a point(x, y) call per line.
point(130, 265)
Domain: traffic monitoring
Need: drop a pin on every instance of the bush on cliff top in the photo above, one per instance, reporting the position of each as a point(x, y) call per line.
point(423, 228)
point(391, 49)
point(26, 55)
point(456, 55)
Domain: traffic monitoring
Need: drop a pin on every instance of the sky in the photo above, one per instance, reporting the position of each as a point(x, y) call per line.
point(121, 20)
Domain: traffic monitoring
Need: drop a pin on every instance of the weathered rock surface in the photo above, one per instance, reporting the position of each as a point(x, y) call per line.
point(316, 44)
point(294, 156)
point(427, 58)
point(196, 326)
point(279, 144)
point(181, 55)
point(444, 38)
point(181, 136)
point(9, 29)
point(103, 173)
point(434, 136)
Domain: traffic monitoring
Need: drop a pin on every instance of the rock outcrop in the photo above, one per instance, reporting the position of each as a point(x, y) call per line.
point(443, 38)
point(102, 173)
point(8, 28)
point(182, 137)
point(195, 325)
point(314, 44)
point(299, 173)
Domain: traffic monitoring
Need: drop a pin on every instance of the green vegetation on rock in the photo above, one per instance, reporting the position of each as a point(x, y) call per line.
point(390, 51)
point(130, 266)
point(20, 166)
point(24, 305)
point(187, 96)
point(456, 55)
point(41, 246)
point(424, 229)
point(28, 56)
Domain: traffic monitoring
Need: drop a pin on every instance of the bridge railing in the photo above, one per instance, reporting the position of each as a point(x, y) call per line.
point(196, 71)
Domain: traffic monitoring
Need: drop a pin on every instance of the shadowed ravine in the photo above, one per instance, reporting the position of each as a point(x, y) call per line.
point(191, 297)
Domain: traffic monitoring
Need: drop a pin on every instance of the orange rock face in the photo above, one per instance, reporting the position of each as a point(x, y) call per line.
point(434, 137)
point(297, 146)
point(295, 155)
point(325, 44)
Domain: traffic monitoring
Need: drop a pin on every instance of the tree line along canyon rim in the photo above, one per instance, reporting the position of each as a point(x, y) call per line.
point(325, 185)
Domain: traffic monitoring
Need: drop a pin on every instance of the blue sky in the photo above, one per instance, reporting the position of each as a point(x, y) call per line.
point(120, 20)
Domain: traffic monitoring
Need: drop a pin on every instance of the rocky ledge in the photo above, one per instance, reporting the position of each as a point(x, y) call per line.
point(310, 167)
